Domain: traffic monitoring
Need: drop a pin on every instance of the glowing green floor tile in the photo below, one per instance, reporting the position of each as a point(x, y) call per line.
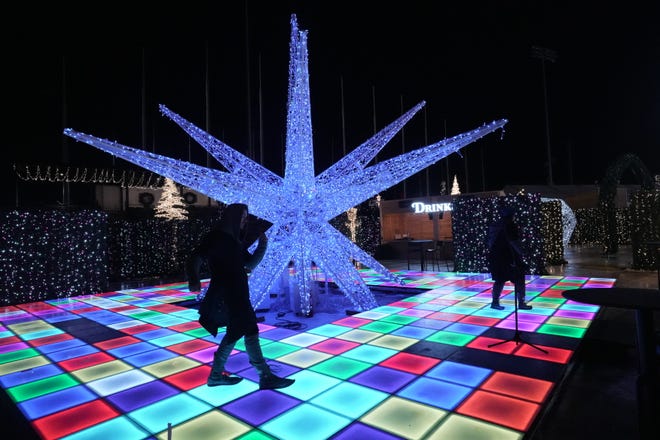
point(560, 330)
point(197, 333)
point(41, 387)
point(451, 338)
point(340, 367)
point(381, 327)
point(17, 355)
point(399, 319)
point(277, 349)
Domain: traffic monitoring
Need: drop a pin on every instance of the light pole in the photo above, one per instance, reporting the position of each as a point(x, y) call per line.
point(545, 54)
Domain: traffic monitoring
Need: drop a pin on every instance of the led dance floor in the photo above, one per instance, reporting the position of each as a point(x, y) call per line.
point(129, 364)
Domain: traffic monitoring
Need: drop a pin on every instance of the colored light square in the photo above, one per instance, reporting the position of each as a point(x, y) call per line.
point(41, 387)
point(305, 422)
point(463, 327)
point(409, 331)
point(518, 386)
point(456, 426)
point(9, 379)
point(74, 419)
point(259, 407)
point(170, 366)
point(340, 367)
point(86, 361)
point(417, 313)
point(50, 339)
point(380, 327)
point(57, 401)
point(370, 314)
point(446, 316)
point(384, 379)
point(393, 342)
point(141, 395)
point(492, 344)
point(431, 323)
point(17, 355)
point(553, 354)
point(116, 343)
point(132, 349)
point(303, 339)
point(352, 322)
point(560, 330)
point(403, 417)
point(119, 382)
point(411, 363)
point(507, 411)
point(359, 335)
point(480, 320)
point(277, 349)
point(149, 357)
point(214, 398)
point(361, 431)
point(463, 374)
point(118, 427)
point(334, 346)
point(309, 384)
point(191, 346)
point(369, 353)
point(451, 338)
point(69, 353)
point(304, 358)
point(436, 393)
point(189, 379)
point(361, 399)
point(523, 326)
point(175, 410)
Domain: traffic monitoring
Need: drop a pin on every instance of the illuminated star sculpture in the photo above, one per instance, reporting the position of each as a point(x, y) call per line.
point(301, 204)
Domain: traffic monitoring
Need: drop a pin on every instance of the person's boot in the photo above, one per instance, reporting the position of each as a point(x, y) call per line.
point(267, 380)
point(522, 305)
point(496, 305)
point(218, 375)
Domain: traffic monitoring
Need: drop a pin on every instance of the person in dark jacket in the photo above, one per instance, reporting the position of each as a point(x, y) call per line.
point(229, 262)
point(505, 259)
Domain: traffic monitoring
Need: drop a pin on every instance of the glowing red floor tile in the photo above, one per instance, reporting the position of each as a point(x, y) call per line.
point(74, 419)
point(86, 361)
point(411, 363)
point(514, 385)
point(192, 325)
point(554, 354)
point(482, 343)
point(514, 413)
point(480, 320)
point(50, 339)
point(116, 342)
point(403, 304)
point(165, 308)
point(189, 379)
point(85, 310)
point(10, 340)
point(139, 329)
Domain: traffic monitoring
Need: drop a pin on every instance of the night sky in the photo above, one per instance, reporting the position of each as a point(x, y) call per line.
point(91, 68)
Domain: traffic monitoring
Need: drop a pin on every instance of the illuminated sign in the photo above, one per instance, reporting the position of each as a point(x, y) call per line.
point(421, 207)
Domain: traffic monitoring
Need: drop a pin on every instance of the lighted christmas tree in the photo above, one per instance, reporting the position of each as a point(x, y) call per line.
point(455, 190)
point(171, 205)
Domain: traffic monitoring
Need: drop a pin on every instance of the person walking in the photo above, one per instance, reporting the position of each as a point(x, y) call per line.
point(229, 262)
point(505, 259)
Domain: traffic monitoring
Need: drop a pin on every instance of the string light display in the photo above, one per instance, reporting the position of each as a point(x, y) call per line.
point(171, 205)
point(645, 226)
point(51, 254)
point(53, 174)
point(553, 231)
point(300, 204)
point(471, 217)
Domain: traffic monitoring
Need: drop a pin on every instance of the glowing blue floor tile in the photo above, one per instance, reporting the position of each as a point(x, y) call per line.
point(31, 375)
point(388, 310)
point(60, 317)
point(361, 399)
point(119, 382)
point(169, 321)
point(154, 334)
point(470, 329)
point(174, 410)
point(59, 346)
point(168, 340)
point(463, 374)
point(370, 353)
point(131, 349)
point(329, 330)
point(119, 428)
point(149, 357)
point(436, 393)
point(57, 401)
point(41, 334)
point(71, 353)
point(309, 384)
point(214, 397)
point(414, 332)
point(305, 422)
point(187, 314)
point(460, 310)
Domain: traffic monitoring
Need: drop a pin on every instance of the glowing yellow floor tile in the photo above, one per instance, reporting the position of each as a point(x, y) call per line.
point(457, 426)
point(101, 370)
point(394, 342)
point(358, 335)
point(170, 366)
point(403, 417)
point(304, 358)
point(29, 327)
point(214, 425)
point(303, 339)
point(571, 322)
point(23, 364)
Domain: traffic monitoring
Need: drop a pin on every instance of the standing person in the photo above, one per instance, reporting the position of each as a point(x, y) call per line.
point(229, 261)
point(505, 259)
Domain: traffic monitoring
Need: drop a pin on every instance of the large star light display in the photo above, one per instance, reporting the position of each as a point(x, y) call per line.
point(299, 205)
